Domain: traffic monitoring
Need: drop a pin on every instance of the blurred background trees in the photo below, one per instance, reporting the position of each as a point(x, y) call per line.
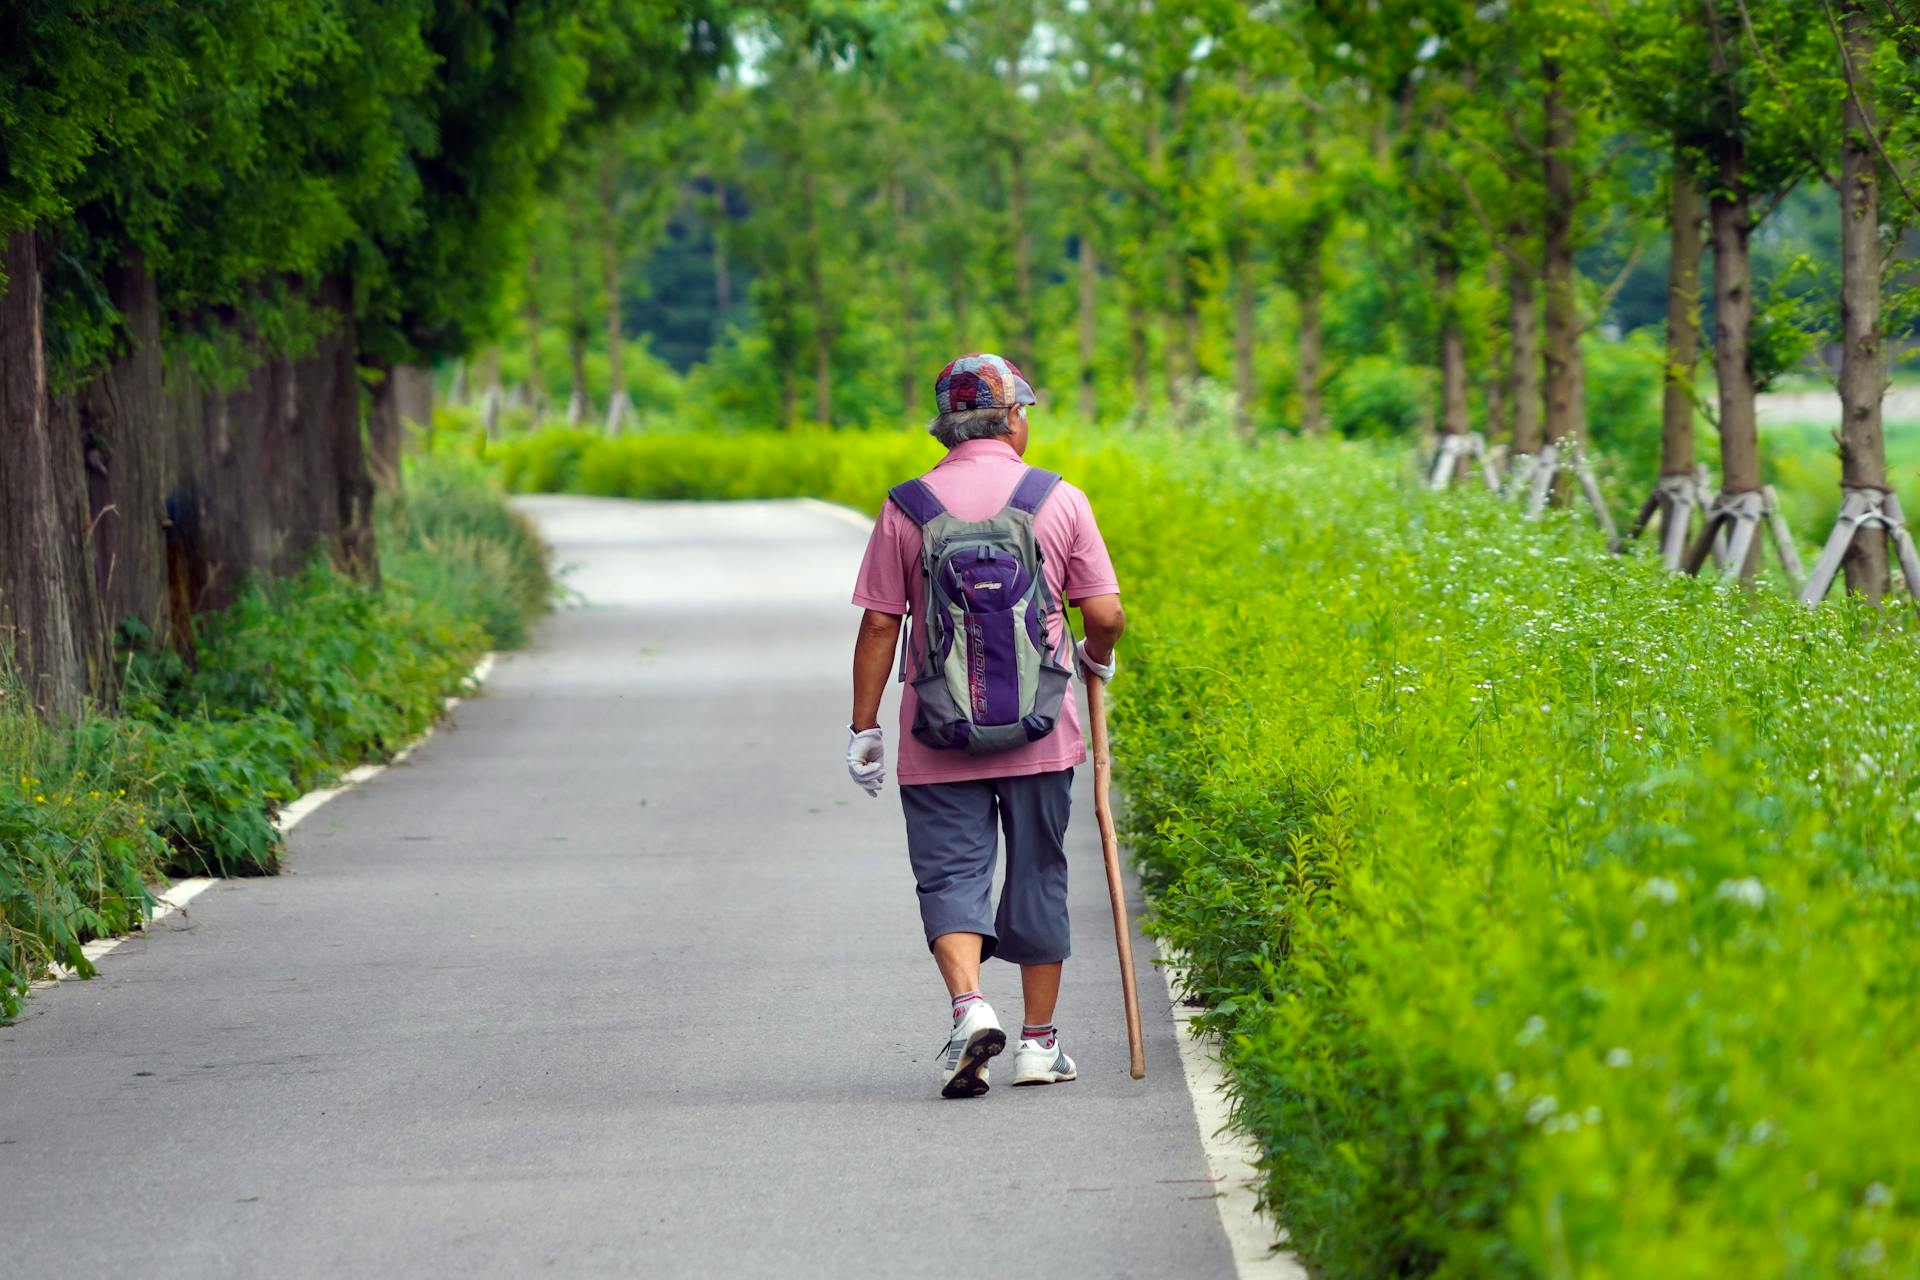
point(240, 241)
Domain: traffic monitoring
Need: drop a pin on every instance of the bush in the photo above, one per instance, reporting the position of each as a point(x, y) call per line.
point(854, 467)
point(298, 680)
point(1558, 915)
point(1376, 396)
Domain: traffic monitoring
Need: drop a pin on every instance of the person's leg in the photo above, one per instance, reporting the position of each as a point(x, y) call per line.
point(958, 955)
point(1032, 917)
point(1040, 991)
point(952, 844)
point(1033, 914)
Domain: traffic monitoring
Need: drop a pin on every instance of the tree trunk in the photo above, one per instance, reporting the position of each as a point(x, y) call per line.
point(127, 438)
point(1453, 347)
point(383, 429)
point(903, 273)
point(46, 584)
point(1022, 258)
point(1566, 408)
point(722, 282)
point(536, 381)
point(577, 370)
point(1176, 330)
point(617, 400)
point(1731, 216)
point(789, 397)
point(1190, 318)
point(578, 326)
point(1244, 391)
point(1523, 357)
point(1028, 358)
point(960, 300)
point(1089, 326)
point(817, 297)
point(1683, 322)
point(1137, 353)
point(338, 413)
point(413, 395)
point(1310, 344)
point(1863, 451)
point(1493, 385)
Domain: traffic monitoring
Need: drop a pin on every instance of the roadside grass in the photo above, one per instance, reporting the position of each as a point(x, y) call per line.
point(1559, 916)
point(299, 680)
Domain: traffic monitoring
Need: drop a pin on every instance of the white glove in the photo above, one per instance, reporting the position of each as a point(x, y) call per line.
point(1088, 667)
point(867, 758)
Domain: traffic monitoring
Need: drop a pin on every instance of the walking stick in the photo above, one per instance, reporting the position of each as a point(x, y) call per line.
point(1116, 887)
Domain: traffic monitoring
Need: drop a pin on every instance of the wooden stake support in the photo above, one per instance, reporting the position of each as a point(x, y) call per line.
point(1520, 468)
point(1738, 517)
point(1457, 452)
point(1676, 499)
point(1570, 457)
point(1863, 509)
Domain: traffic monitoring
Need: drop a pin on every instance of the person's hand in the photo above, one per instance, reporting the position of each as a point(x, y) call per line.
point(1088, 667)
point(867, 758)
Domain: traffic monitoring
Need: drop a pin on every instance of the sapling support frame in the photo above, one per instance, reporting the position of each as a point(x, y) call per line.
point(1675, 500)
point(1739, 518)
point(1457, 451)
point(1568, 456)
point(1863, 508)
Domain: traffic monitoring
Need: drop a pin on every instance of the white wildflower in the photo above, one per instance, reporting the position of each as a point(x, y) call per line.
point(1660, 889)
point(1747, 891)
point(1619, 1057)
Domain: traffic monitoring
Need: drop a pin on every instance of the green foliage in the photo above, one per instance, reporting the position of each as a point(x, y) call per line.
point(1623, 399)
point(297, 681)
point(851, 467)
point(1511, 873)
point(1557, 913)
point(1376, 396)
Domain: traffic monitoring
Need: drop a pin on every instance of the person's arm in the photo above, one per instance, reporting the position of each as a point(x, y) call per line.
point(873, 651)
point(1101, 621)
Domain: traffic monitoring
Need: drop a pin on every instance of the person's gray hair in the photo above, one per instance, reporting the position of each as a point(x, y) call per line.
point(953, 428)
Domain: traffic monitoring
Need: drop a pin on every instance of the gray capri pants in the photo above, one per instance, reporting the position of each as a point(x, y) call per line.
point(952, 844)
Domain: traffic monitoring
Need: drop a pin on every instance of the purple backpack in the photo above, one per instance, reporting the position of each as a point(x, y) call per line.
point(982, 668)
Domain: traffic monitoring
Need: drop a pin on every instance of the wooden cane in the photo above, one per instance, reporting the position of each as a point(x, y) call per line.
point(1116, 886)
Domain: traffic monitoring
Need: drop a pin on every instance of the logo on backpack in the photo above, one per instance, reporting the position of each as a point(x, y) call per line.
point(985, 674)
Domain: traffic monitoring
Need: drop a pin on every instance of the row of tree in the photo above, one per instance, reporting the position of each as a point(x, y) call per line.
point(1134, 198)
point(229, 233)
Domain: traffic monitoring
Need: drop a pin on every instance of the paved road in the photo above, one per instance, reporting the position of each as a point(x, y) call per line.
point(618, 975)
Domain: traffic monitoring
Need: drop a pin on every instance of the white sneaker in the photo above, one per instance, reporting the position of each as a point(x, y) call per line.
point(976, 1039)
point(1041, 1062)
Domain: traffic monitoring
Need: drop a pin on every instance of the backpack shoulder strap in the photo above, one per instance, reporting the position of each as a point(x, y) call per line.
point(917, 501)
point(1034, 488)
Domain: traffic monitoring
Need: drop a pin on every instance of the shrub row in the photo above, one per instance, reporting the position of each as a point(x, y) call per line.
point(1561, 918)
point(298, 680)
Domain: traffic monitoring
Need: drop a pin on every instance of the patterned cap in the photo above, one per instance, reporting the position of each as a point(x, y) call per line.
point(980, 382)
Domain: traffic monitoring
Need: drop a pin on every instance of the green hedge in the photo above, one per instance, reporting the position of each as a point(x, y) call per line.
point(1560, 917)
point(299, 680)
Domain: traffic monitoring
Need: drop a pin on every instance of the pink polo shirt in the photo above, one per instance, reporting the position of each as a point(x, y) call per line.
point(974, 481)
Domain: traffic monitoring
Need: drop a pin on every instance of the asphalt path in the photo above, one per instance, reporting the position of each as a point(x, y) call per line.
point(617, 975)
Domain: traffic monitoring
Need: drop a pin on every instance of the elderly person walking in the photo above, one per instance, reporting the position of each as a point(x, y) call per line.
point(981, 552)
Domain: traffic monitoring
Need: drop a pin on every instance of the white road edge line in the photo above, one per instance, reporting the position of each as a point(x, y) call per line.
point(1231, 1156)
point(177, 895)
